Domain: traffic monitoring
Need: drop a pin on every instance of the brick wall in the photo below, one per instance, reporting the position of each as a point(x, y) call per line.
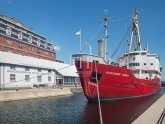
point(9, 45)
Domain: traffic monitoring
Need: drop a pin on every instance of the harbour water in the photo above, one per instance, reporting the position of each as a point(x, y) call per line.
point(73, 109)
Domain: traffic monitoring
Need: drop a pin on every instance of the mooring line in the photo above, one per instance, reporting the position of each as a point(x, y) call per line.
point(98, 97)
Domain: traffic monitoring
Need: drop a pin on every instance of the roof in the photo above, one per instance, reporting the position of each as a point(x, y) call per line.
point(16, 59)
point(15, 21)
point(20, 25)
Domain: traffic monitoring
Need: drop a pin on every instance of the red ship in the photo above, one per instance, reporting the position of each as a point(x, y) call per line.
point(137, 73)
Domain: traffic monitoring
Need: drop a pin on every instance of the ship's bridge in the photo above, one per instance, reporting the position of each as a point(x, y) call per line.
point(143, 64)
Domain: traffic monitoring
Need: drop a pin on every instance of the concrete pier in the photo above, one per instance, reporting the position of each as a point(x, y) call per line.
point(32, 93)
point(153, 114)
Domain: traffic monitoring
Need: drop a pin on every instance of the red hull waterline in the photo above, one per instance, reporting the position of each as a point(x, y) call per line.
point(114, 82)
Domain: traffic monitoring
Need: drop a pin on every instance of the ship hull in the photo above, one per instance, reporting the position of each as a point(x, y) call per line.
point(114, 82)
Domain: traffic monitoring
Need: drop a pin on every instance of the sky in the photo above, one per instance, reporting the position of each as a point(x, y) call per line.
point(59, 20)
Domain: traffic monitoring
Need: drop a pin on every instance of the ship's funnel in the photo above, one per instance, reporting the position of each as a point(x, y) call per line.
point(100, 47)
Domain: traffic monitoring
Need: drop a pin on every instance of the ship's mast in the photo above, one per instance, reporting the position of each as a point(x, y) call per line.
point(106, 19)
point(135, 31)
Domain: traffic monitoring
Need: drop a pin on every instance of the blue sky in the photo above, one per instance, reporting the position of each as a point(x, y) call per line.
point(59, 20)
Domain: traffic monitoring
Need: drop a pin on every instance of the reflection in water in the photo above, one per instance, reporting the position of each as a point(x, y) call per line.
point(72, 110)
point(118, 112)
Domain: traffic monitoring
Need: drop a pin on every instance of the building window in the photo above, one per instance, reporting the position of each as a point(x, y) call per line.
point(20, 45)
point(8, 31)
point(134, 64)
point(77, 80)
point(151, 63)
point(12, 67)
point(9, 42)
point(38, 51)
point(144, 63)
point(12, 77)
point(144, 53)
point(49, 71)
point(52, 55)
point(30, 40)
point(26, 68)
point(38, 42)
point(51, 47)
point(9, 51)
point(27, 78)
point(45, 45)
point(49, 78)
point(46, 53)
point(20, 36)
point(39, 78)
point(30, 48)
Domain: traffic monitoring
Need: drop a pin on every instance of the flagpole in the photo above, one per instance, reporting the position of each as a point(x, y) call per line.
point(80, 40)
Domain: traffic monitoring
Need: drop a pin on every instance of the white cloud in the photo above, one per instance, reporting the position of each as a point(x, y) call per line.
point(57, 48)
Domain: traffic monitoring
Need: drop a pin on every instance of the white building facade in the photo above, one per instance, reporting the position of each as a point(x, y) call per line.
point(24, 71)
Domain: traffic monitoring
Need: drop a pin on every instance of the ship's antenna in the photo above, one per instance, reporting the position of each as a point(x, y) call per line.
point(106, 19)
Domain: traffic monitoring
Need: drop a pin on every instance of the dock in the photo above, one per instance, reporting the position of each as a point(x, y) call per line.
point(9, 95)
point(155, 114)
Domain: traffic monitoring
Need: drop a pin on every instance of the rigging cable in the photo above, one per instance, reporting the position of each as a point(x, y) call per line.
point(98, 96)
point(121, 42)
point(94, 35)
point(100, 26)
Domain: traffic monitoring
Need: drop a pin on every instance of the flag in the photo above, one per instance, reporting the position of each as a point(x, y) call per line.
point(78, 33)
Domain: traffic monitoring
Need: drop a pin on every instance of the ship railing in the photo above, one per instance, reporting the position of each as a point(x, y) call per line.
point(88, 57)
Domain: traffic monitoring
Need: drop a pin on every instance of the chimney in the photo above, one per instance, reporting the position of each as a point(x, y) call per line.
point(100, 47)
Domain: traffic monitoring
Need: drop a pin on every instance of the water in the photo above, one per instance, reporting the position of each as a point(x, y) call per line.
point(73, 110)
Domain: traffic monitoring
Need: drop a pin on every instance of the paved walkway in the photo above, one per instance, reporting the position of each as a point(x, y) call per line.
point(162, 118)
point(153, 113)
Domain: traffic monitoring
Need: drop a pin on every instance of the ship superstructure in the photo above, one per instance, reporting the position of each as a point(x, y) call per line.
point(137, 73)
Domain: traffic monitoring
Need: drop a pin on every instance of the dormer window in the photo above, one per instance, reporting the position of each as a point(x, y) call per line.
point(30, 39)
point(8, 31)
point(20, 36)
point(38, 42)
point(51, 47)
point(45, 45)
